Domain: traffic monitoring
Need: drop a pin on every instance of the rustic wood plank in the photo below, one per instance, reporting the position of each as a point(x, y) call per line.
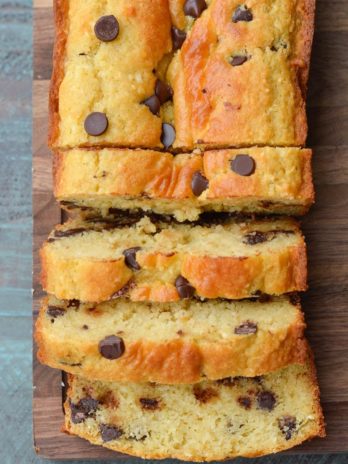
point(326, 229)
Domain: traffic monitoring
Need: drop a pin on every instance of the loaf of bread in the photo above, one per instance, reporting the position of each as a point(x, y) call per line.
point(240, 77)
point(203, 422)
point(91, 261)
point(252, 180)
point(183, 342)
point(148, 74)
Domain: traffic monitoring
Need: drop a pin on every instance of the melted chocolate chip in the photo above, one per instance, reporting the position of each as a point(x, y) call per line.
point(238, 60)
point(69, 232)
point(242, 13)
point(184, 288)
point(255, 237)
point(96, 123)
point(111, 347)
point(227, 382)
point(199, 183)
point(123, 291)
point(150, 404)
point(73, 303)
point(204, 395)
point(163, 91)
point(246, 328)
point(294, 298)
point(287, 425)
point(110, 432)
point(178, 37)
point(130, 258)
point(266, 400)
point(244, 165)
point(153, 103)
point(194, 8)
point(55, 311)
point(245, 402)
point(168, 135)
point(86, 407)
point(107, 28)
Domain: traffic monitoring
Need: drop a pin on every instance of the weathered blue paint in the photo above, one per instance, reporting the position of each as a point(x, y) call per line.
point(15, 245)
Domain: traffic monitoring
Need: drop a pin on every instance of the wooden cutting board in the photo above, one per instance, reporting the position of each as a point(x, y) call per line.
point(326, 229)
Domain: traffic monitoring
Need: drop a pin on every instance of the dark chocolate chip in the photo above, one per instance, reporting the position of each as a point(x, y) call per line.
point(246, 328)
point(178, 37)
point(73, 303)
point(199, 183)
point(245, 402)
point(255, 237)
point(184, 288)
point(110, 432)
point(107, 28)
point(85, 327)
point(287, 425)
point(55, 311)
point(238, 60)
point(266, 400)
point(153, 103)
point(194, 8)
point(130, 258)
point(163, 91)
point(242, 13)
point(244, 165)
point(96, 123)
point(150, 404)
point(86, 407)
point(69, 232)
point(111, 347)
point(123, 291)
point(168, 135)
point(294, 298)
point(204, 395)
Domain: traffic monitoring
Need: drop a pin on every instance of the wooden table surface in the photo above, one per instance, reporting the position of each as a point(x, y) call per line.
point(328, 101)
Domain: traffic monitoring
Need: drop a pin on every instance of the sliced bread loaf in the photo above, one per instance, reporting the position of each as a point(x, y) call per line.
point(201, 422)
point(96, 261)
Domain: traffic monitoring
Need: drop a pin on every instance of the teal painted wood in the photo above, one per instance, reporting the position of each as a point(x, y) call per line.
point(15, 246)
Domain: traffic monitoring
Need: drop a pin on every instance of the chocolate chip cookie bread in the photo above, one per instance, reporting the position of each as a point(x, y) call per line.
point(171, 343)
point(262, 180)
point(180, 74)
point(203, 422)
point(97, 261)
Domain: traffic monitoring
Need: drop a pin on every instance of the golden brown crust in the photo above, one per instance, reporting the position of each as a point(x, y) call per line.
point(176, 360)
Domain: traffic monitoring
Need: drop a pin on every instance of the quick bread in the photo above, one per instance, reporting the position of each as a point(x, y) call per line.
point(253, 180)
point(149, 261)
point(183, 76)
point(202, 422)
point(183, 342)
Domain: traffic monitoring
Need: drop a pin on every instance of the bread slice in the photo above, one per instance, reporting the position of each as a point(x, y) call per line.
point(182, 342)
point(96, 261)
point(279, 181)
point(202, 422)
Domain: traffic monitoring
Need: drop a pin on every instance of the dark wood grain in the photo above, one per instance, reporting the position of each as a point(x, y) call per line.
point(326, 229)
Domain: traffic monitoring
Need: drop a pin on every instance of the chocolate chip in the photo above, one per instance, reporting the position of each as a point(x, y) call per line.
point(204, 395)
point(199, 183)
point(244, 165)
point(96, 123)
point(178, 37)
point(111, 347)
point(86, 407)
point(246, 328)
point(194, 8)
point(107, 28)
point(130, 258)
point(123, 291)
point(73, 303)
point(255, 237)
point(55, 311)
point(287, 425)
point(69, 232)
point(85, 327)
point(242, 13)
point(150, 404)
point(245, 402)
point(168, 135)
point(266, 400)
point(153, 104)
point(227, 382)
point(110, 432)
point(238, 60)
point(163, 91)
point(184, 288)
